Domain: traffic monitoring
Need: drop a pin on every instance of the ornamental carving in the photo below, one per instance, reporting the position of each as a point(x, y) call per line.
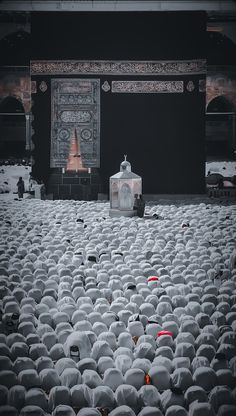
point(190, 86)
point(185, 67)
point(147, 86)
point(75, 99)
point(33, 87)
point(75, 116)
point(75, 121)
point(202, 85)
point(43, 86)
point(106, 86)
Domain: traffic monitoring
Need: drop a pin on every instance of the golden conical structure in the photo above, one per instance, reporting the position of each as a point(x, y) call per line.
point(74, 160)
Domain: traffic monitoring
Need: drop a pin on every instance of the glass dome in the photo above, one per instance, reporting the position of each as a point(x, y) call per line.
point(125, 165)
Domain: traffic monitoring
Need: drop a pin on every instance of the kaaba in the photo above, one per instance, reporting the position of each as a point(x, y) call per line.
point(126, 83)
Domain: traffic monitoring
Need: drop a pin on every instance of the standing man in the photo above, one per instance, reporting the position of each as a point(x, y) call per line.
point(21, 187)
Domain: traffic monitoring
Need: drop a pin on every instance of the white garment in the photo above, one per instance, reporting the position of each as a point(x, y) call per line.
point(127, 395)
point(81, 340)
point(160, 377)
point(58, 395)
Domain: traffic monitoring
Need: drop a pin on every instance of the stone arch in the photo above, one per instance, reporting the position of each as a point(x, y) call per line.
point(11, 104)
point(220, 104)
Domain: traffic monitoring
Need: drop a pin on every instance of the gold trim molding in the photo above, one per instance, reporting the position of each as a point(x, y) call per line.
point(139, 68)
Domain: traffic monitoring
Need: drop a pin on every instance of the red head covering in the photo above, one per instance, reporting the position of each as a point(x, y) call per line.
point(153, 278)
point(164, 332)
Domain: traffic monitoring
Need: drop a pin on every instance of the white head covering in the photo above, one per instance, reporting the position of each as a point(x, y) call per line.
point(23, 363)
point(206, 338)
point(57, 352)
point(147, 309)
point(227, 409)
point(104, 363)
point(220, 395)
point(37, 350)
point(149, 396)
point(163, 308)
point(207, 351)
point(150, 411)
point(70, 377)
point(152, 329)
point(205, 377)
point(49, 339)
point(164, 352)
point(108, 337)
point(117, 328)
point(100, 349)
point(123, 362)
point(91, 378)
point(59, 317)
point(36, 397)
point(49, 378)
point(81, 340)
point(81, 396)
point(136, 328)
point(26, 328)
point(58, 395)
point(99, 328)
point(182, 378)
point(165, 340)
point(143, 364)
point(120, 411)
point(135, 377)
point(171, 398)
point(189, 325)
point(181, 362)
point(9, 341)
point(103, 397)
point(176, 410)
point(32, 410)
point(199, 409)
point(64, 363)
point(160, 377)
point(63, 410)
point(163, 361)
point(125, 340)
point(171, 326)
point(127, 395)
point(91, 411)
point(148, 339)
point(113, 378)
point(185, 337)
point(87, 363)
point(108, 317)
point(43, 362)
point(29, 379)
point(16, 396)
point(225, 377)
point(185, 349)
point(195, 394)
point(144, 350)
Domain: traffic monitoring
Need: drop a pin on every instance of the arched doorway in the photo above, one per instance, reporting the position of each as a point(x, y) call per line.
point(12, 128)
point(220, 104)
point(220, 129)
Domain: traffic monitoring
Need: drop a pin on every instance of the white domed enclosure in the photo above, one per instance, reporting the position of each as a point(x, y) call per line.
point(124, 185)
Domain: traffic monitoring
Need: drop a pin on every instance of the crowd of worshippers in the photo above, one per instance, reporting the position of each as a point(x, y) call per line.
point(117, 317)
